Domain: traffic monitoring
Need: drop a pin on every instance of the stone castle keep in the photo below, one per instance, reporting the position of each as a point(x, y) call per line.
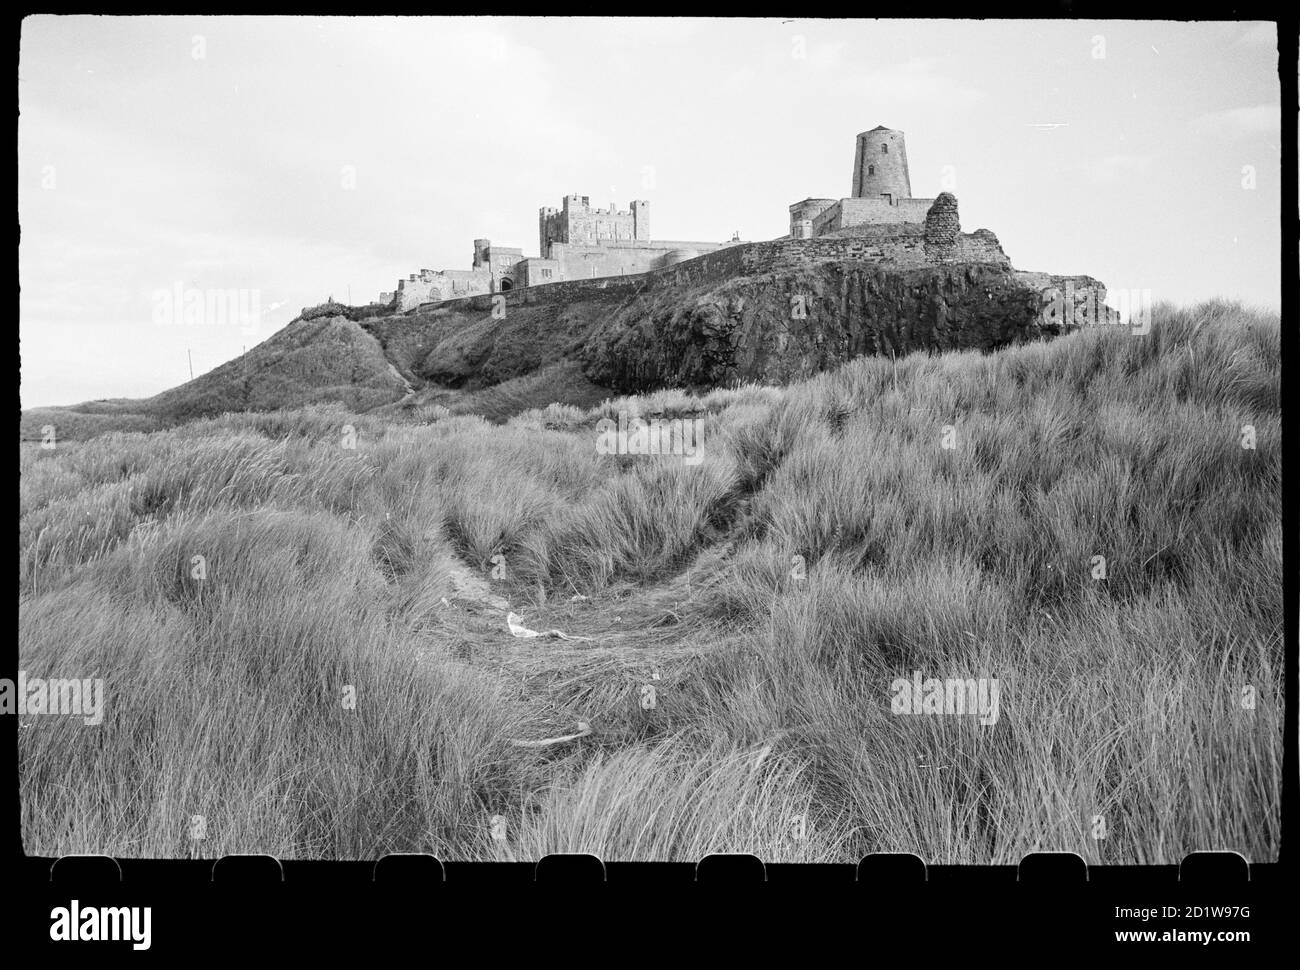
point(577, 242)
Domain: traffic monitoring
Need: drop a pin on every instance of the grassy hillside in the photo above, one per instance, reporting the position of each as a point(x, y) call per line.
point(314, 360)
point(382, 572)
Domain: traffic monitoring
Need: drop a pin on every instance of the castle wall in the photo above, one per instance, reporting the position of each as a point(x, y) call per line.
point(430, 286)
point(901, 246)
point(623, 258)
point(857, 212)
point(803, 214)
point(501, 263)
point(585, 262)
point(538, 272)
point(596, 225)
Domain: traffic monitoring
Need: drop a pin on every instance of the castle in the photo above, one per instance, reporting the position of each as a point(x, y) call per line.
point(882, 191)
point(577, 242)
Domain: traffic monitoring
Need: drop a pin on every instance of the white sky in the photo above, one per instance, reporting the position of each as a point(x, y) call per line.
point(142, 166)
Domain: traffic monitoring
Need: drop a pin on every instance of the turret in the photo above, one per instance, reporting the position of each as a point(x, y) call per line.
point(641, 220)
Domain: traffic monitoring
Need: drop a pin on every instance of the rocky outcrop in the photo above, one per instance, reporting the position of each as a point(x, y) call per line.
point(788, 325)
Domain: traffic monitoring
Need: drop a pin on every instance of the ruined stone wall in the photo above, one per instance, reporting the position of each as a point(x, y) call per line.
point(620, 287)
point(902, 246)
point(977, 247)
point(432, 285)
point(880, 230)
point(942, 223)
point(623, 258)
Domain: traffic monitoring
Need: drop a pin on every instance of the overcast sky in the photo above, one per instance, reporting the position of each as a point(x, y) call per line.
point(295, 158)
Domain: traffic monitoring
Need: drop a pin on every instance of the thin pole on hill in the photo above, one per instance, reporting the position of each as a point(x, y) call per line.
point(190, 357)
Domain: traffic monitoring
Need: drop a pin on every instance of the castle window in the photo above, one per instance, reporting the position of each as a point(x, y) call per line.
point(871, 170)
point(884, 149)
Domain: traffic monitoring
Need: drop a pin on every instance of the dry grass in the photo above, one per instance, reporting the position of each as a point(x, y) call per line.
point(336, 571)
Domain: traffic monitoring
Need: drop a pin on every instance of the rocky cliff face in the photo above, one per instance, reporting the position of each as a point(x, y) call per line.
point(787, 325)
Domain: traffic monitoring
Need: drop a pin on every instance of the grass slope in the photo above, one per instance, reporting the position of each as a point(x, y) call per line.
point(323, 359)
point(377, 572)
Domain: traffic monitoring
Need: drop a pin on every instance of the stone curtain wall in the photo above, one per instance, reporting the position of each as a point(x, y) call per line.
point(898, 246)
point(441, 285)
point(858, 212)
point(622, 258)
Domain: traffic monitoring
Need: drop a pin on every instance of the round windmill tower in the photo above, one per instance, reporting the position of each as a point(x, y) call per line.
point(880, 166)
